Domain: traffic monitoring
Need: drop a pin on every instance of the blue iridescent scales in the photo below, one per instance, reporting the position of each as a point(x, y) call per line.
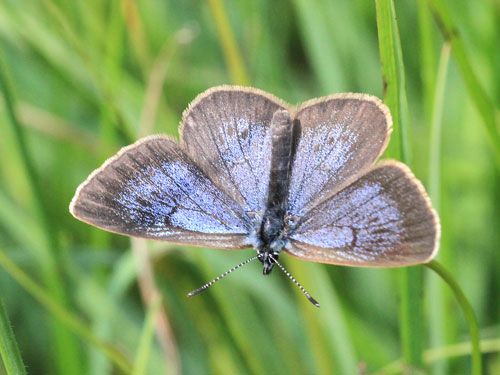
point(212, 188)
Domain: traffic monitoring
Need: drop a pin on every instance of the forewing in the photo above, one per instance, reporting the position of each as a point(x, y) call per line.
point(226, 131)
point(151, 189)
point(383, 219)
point(341, 135)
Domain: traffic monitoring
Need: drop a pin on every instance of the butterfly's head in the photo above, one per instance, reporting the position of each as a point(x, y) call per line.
point(269, 256)
point(267, 260)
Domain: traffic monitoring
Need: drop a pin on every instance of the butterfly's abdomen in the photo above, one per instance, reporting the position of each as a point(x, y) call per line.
point(283, 138)
point(281, 160)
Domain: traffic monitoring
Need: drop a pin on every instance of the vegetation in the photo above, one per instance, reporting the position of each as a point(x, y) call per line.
point(80, 79)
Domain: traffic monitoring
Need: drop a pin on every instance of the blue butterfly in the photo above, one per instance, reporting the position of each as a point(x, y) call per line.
point(253, 171)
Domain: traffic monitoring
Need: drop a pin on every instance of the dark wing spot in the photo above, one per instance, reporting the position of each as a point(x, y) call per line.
point(244, 134)
point(168, 218)
point(143, 202)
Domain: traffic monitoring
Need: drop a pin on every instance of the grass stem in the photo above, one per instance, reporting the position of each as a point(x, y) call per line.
point(468, 311)
point(437, 317)
point(411, 307)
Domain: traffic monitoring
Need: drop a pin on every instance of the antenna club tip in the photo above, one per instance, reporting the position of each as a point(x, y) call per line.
point(196, 292)
point(313, 301)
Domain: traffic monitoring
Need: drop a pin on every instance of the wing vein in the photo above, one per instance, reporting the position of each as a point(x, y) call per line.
point(336, 220)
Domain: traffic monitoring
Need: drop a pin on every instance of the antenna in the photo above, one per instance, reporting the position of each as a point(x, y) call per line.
point(210, 283)
point(308, 296)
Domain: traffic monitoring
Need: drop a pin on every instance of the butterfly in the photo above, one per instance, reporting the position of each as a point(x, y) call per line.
point(253, 171)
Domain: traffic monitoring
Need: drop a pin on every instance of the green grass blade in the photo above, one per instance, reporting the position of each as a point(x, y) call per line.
point(445, 352)
point(112, 73)
point(244, 325)
point(468, 311)
point(435, 139)
point(411, 316)
point(146, 340)
point(320, 47)
point(411, 309)
point(9, 350)
point(67, 351)
point(60, 312)
point(109, 303)
point(437, 318)
point(461, 349)
point(477, 93)
point(150, 295)
point(228, 43)
point(106, 87)
point(428, 58)
point(393, 77)
point(326, 326)
point(15, 222)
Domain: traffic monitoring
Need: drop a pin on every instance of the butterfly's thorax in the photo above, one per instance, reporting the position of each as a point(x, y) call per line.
point(272, 240)
point(273, 230)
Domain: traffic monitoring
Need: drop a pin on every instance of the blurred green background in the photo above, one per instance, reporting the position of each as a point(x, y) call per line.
point(88, 77)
